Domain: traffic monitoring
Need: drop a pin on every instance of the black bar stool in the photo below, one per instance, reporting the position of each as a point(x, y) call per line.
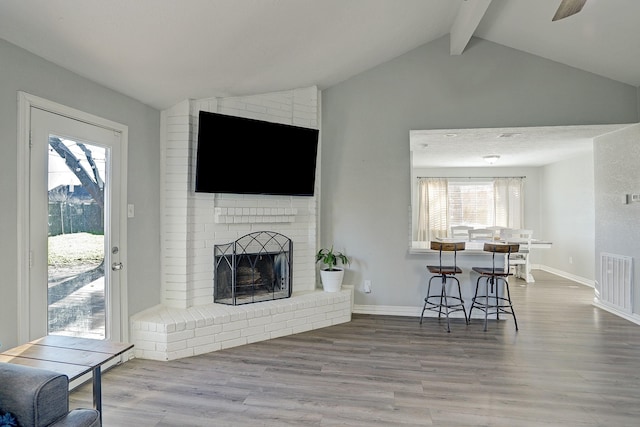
point(437, 302)
point(492, 276)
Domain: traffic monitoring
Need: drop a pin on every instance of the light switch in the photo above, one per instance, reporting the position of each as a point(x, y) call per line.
point(130, 211)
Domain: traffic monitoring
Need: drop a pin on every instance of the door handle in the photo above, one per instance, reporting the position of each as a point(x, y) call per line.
point(116, 266)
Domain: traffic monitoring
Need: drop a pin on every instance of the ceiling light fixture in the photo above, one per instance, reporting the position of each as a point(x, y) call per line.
point(491, 159)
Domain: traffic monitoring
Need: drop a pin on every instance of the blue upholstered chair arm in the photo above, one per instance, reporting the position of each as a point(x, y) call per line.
point(40, 398)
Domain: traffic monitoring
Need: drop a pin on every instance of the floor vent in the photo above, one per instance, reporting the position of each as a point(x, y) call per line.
point(614, 288)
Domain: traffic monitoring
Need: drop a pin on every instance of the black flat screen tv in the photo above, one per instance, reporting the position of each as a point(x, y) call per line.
point(247, 156)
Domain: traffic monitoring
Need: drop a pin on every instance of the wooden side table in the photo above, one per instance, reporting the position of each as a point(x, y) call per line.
point(71, 356)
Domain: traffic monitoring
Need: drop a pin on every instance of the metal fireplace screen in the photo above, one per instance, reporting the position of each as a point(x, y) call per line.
point(254, 268)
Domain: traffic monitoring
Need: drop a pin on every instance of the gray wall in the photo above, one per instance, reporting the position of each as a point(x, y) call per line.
point(22, 71)
point(365, 159)
point(568, 217)
point(616, 158)
point(365, 129)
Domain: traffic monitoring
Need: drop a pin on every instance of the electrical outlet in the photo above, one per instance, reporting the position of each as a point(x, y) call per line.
point(570, 260)
point(367, 286)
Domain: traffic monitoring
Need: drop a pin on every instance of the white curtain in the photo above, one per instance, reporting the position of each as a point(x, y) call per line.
point(509, 202)
point(433, 203)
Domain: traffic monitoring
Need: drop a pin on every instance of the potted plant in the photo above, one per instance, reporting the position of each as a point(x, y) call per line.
point(330, 275)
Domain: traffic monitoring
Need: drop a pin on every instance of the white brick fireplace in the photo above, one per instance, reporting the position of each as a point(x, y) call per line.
point(188, 322)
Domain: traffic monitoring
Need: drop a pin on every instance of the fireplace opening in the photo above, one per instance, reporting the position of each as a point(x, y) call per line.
point(256, 267)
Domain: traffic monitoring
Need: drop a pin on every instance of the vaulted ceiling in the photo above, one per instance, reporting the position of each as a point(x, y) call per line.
point(164, 51)
point(161, 52)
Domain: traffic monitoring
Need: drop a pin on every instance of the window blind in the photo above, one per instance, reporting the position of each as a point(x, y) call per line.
point(471, 203)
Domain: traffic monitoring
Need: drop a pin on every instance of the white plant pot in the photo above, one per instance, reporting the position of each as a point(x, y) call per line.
point(331, 279)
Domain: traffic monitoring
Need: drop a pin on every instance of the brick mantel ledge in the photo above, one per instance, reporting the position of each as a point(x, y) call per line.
point(165, 333)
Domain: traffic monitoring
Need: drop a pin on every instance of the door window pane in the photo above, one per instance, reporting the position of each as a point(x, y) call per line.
point(76, 288)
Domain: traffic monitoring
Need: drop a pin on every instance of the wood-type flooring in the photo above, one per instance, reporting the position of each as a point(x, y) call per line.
point(570, 364)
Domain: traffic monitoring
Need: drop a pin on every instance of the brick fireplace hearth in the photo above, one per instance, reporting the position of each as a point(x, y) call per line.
point(165, 333)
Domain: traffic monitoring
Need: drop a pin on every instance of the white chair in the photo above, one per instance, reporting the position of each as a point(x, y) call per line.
point(481, 234)
point(520, 261)
point(460, 232)
point(504, 233)
point(497, 231)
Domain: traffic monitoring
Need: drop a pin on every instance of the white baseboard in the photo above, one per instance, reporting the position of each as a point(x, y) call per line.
point(634, 318)
point(392, 310)
point(579, 279)
point(414, 311)
point(387, 310)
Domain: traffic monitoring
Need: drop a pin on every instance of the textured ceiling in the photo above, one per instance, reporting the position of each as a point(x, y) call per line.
point(529, 146)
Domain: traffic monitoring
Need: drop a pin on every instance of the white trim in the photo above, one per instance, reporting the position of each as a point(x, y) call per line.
point(607, 307)
point(579, 279)
point(414, 311)
point(25, 102)
point(388, 310)
point(24, 120)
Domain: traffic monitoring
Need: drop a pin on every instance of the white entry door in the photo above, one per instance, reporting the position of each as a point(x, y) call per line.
point(75, 230)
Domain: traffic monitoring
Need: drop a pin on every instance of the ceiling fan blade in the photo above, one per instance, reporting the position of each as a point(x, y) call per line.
point(568, 8)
